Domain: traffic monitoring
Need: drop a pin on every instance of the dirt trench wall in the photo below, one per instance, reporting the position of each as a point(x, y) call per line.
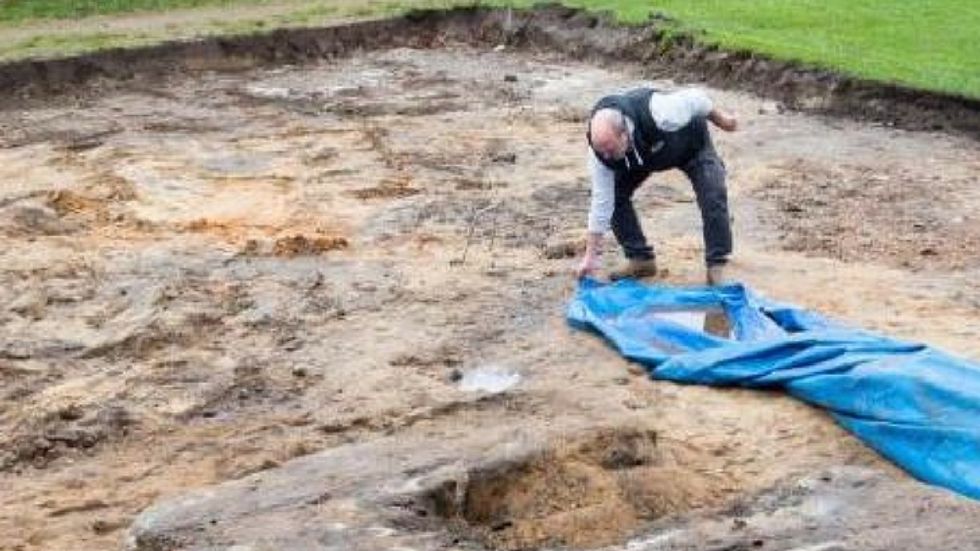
point(575, 33)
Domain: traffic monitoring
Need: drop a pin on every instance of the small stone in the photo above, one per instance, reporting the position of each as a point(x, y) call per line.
point(771, 108)
point(564, 249)
point(267, 464)
point(103, 527)
point(496, 271)
point(633, 404)
point(72, 412)
point(115, 419)
point(30, 304)
point(365, 287)
point(506, 158)
point(17, 350)
point(292, 344)
point(636, 371)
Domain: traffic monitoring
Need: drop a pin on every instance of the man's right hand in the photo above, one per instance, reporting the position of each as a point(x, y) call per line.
point(588, 266)
point(590, 262)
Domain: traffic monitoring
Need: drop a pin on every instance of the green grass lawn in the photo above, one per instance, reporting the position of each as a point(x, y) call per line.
point(20, 10)
point(931, 44)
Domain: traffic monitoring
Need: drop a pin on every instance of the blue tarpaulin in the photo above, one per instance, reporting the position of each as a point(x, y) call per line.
point(914, 404)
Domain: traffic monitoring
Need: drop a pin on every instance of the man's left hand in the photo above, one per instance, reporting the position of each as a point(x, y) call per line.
point(725, 121)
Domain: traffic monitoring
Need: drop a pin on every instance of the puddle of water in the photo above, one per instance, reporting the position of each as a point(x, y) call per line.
point(713, 321)
point(692, 319)
point(488, 379)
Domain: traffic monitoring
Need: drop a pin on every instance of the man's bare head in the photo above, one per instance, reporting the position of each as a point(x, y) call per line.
point(609, 134)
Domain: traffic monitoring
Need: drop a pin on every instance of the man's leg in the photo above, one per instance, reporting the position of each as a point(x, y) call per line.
point(707, 174)
point(626, 225)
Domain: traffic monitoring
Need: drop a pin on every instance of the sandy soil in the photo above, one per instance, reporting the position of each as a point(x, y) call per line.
point(206, 278)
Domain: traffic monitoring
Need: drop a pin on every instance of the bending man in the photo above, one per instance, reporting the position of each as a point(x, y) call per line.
point(643, 131)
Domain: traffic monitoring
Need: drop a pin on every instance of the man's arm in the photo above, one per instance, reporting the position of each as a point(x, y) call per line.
point(723, 120)
point(600, 214)
point(674, 110)
point(590, 263)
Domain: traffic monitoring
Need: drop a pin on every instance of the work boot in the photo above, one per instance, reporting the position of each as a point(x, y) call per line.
point(635, 269)
point(716, 275)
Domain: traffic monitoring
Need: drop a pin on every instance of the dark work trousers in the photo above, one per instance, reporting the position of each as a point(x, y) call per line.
point(706, 171)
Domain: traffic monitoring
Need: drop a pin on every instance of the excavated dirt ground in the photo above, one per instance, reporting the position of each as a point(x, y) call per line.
point(205, 278)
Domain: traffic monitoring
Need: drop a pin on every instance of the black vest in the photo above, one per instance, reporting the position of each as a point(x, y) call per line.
point(651, 150)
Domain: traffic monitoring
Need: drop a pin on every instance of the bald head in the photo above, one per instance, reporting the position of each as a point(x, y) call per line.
point(609, 134)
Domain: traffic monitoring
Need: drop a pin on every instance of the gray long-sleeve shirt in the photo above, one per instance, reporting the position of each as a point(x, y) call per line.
point(670, 111)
